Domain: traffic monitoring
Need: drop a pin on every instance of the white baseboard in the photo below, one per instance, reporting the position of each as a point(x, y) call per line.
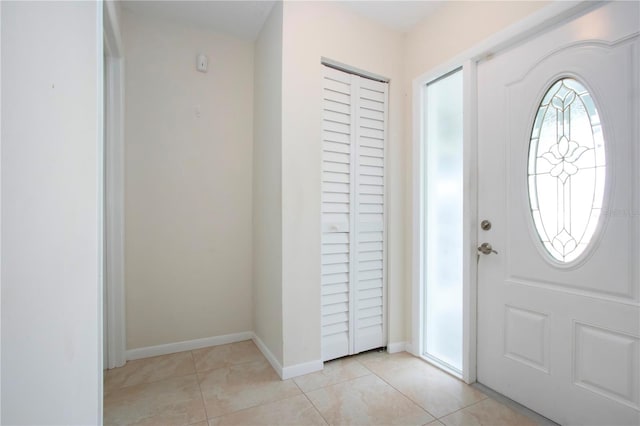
point(302, 369)
point(395, 347)
point(188, 345)
point(267, 354)
point(291, 371)
point(409, 348)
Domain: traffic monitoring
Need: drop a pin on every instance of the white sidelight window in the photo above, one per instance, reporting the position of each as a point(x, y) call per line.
point(353, 214)
point(443, 220)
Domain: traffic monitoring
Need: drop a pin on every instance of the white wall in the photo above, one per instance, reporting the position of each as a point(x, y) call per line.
point(51, 151)
point(267, 185)
point(457, 26)
point(453, 28)
point(188, 177)
point(312, 30)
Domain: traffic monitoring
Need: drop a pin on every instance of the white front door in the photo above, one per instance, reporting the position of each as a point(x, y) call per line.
point(559, 160)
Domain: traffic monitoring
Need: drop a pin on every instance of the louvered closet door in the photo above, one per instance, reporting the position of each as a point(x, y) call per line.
point(370, 216)
point(353, 231)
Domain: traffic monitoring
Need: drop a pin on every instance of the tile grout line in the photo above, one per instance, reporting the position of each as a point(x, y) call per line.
point(341, 381)
point(145, 382)
point(253, 406)
point(369, 371)
point(406, 396)
point(198, 374)
point(336, 383)
point(153, 381)
point(312, 404)
point(229, 365)
point(462, 408)
point(204, 405)
point(365, 367)
point(262, 358)
point(435, 417)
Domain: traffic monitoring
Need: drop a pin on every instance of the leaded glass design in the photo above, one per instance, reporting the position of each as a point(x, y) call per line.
point(566, 170)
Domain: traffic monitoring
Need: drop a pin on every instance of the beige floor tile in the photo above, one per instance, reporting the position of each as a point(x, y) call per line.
point(366, 401)
point(226, 390)
point(337, 371)
point(174, 401)
point(149, 370)
point(434, 423)
point(434, 390)
point(294, 411)
point(215, 357)
point(487, 413)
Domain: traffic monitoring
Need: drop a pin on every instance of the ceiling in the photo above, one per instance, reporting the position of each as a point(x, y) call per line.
point(244, 18)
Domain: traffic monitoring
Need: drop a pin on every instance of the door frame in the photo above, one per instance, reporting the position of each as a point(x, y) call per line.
point(114, 189)
point(550, 16)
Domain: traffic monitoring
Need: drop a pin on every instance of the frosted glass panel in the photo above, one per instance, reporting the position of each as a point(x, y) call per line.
point(443, 220)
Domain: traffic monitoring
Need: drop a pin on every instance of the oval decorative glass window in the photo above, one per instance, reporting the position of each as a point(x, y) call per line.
point(566, 170)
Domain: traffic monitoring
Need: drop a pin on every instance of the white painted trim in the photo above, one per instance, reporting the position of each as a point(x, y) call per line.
point(115, 222)
point(409, 348)
point(301, 369)
point(386, 306)
point(112, 33)
point(290, 371)
point(114, 190)
point(551, 15)
point(100, 235)
point(417, 272)
point(353, 70)
point(396, 347)
point(188, 345)
point(470, 220)
point(0, 213)
point(442, 366)
point(267, 354)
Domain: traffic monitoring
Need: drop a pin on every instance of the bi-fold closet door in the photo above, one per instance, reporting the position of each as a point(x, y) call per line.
point(353, 214)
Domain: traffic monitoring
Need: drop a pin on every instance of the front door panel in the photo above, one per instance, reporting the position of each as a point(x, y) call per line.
point(562, 338)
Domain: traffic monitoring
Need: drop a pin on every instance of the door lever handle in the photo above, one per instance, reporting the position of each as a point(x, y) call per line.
point(485, 248)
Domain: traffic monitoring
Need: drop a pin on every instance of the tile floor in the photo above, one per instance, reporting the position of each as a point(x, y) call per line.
point(235, 385)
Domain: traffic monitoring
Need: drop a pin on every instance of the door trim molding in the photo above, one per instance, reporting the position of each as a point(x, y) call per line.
point(546, 18)
point(353, 70)
point(114, 189)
